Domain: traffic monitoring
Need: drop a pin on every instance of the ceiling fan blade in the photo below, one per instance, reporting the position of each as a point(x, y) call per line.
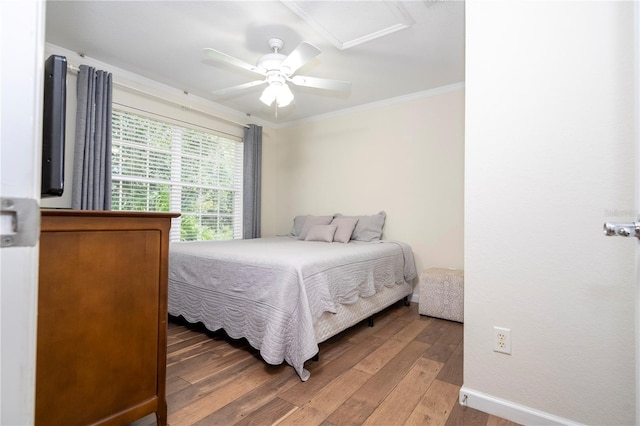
point(321, 83)
point(238, 88)
point(300, 56)
point(223, 57)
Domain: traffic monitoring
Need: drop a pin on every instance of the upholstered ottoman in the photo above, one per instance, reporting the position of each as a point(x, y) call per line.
point(442, 294)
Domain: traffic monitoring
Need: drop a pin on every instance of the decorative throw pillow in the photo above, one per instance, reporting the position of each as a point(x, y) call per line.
point(368, 228)
point(345, 227)
point(313, 220)
point(321, 233)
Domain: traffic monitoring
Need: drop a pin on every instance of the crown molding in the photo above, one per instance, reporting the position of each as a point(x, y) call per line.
point(378, 104)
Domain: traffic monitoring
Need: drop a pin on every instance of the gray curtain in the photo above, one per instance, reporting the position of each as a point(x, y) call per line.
point(92, 152)
point(252, 181)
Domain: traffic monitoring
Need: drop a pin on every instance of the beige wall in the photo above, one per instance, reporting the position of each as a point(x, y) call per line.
point(406, 159)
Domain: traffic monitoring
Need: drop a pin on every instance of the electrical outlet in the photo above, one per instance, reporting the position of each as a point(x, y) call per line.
point(502, 340)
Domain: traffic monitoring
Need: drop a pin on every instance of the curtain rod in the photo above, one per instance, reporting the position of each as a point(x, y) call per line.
point(188, 108)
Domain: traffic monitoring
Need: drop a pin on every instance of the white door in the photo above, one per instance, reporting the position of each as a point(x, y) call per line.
point(550, 154)
point(21, 77)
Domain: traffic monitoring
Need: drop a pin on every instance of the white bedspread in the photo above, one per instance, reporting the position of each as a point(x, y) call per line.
point(271, 290)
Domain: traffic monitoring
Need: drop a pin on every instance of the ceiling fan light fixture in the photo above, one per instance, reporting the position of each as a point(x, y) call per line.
point(278, 92)
point(285, 96)
point(268, 95)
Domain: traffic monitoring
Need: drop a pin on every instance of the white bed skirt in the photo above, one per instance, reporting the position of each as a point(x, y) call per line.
point(328, 325)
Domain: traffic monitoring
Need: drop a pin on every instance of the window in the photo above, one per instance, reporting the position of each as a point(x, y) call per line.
point(160, 166)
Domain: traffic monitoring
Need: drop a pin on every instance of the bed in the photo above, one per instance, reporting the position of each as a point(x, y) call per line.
point(287, 294)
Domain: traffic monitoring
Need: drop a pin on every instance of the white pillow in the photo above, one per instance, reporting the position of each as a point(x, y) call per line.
point(321, 233)
point(345, 225)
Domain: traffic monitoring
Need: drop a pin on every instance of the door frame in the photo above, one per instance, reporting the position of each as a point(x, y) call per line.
point(22, 25)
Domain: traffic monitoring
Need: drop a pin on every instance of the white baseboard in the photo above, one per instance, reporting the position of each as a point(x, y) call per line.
point(508, 410)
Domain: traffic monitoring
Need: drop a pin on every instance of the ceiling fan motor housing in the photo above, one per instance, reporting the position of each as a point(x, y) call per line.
point(271, 61)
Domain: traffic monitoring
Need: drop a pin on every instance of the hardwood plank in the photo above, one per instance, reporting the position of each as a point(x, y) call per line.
point(149, 420)
point(176, 369)
point(174, 384)
point(215, 365)
point(408, 313)
point(324, 374)
point(327, 400)
point(179, 333)
point(466, 416)
point(442, 349)
point(436, 404)
point(499, 421)
point(269, 414)
point(388, 330)
point(192, 351)
point(452, 370)
point(282, 378)
point(361, 404)
point(186, 396)
point(244, 383)
point(437, 327)
point(182, 343)
point(399, 404)
point(379, 358)
point(329, 350)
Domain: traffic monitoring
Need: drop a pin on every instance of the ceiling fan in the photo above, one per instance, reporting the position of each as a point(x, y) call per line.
point(278, 69)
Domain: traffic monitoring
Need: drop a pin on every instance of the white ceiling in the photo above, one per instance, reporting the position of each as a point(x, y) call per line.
point(163, 41)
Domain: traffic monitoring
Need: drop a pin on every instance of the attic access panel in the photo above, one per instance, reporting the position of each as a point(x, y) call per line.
point(350, 23)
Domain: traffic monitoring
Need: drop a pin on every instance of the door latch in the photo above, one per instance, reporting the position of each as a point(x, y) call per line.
point(631, 229)
point(20, 222)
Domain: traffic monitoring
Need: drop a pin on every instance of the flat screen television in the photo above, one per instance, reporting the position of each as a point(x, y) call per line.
point(53, 126)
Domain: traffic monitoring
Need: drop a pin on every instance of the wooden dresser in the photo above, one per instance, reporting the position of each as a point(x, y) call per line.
point(102, 317)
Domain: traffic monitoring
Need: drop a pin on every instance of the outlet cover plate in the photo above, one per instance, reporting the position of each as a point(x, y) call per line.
point(502, 340)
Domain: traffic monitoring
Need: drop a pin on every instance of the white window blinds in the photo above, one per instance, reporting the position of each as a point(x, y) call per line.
point(159, 166)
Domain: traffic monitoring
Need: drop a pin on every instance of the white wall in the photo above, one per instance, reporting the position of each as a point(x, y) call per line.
point(549, 157)
point(406, 159)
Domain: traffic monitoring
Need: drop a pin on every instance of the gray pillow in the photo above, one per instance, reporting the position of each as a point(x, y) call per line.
point(368, 228)
point(345, 225)
point(313, 220)
point(321, 233)
point(298, 223)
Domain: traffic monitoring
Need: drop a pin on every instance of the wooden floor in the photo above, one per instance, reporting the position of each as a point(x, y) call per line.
point(406, 370)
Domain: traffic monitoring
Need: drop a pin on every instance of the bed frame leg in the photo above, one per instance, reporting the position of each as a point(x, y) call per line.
point(316, 357)
point(406, 301)
point(370, 321)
